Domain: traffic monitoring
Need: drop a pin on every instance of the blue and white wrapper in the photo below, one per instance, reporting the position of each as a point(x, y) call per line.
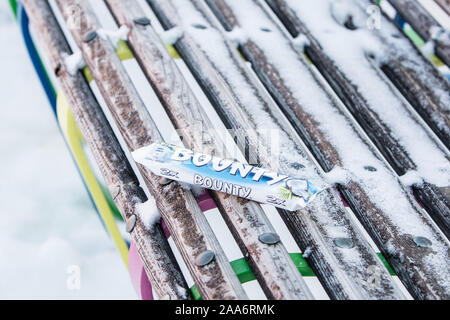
point(228, 176)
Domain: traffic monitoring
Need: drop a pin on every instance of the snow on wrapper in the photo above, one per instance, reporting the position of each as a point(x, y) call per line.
point(228, 176)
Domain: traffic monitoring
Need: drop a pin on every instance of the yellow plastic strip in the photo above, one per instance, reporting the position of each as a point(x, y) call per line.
point(74, 139)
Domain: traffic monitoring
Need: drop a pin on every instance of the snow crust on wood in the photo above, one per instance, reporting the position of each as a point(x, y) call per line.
point(74, 62)
point(301, 41)
point(169, 37)
point(148, 213)
point(258, 114)
point(349, 48)
point(237, 36)
point(114, 36)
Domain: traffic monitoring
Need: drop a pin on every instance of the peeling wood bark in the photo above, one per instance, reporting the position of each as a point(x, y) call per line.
point(376, 222)
point(159, 263)
point(342, 278)
point(185, 221)
point(272, 264)
point(423, 23)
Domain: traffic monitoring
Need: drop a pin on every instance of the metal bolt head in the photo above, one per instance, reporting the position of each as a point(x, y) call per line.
point(205, 258)
point(90, 36)
point(144, 21)
point(344, 243)
point(370, 168)
point(423, 242)
point(269, 238)
point(131, 223)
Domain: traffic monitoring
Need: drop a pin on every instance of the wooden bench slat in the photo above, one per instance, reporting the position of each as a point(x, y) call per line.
point(385, 228)
point(272, 264)
point(315, 227)
point(182, 215)
point(159, 264)
point(399, 68)
point(424, 24)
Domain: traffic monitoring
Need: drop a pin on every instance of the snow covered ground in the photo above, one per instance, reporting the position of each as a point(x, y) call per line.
point(48, 228)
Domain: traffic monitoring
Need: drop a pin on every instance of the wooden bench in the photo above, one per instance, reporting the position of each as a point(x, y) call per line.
point(343, 101)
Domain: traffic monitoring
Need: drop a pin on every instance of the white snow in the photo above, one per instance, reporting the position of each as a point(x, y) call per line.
point(48, 227)
point(169, 37)
point(349, 48)
point(301, 41)
point(411, 178)
point(114, 36)
point(338, 175)
point(74, 62)
point(148, 213)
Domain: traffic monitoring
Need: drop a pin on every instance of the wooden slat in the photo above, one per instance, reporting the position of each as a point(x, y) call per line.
point(406, 78)
point(186, 222)
point(423, 23)
point(423, 87)
point(272, 264)
point(416, 275)
point(315, 227)
point(160, 266)
point(444, 4)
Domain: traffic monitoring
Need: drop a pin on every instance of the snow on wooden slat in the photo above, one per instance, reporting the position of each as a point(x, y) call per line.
point(415, 76)
point(444, 4)
point(162, 270)
point(396, 131)
point(398, 220)
point(425, 25)
point(245, 107)
point(178, 207)
point(271, 263)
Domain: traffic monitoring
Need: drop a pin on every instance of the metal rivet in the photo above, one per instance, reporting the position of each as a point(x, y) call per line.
point(90, 36)
point(144, 21)
point(131, 223)
point(204, 258)
point(370, 168)
point(266, 30)
point(199, 26)
point(269, 238)
point(423, 242)
point(165, 181)
point(344, 243)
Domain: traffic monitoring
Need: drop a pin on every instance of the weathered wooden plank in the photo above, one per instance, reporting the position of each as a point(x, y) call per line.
point(160, 266)
point(425, 25)
point(444, 4)
point(425, 88)
point(272, 264)
point(378, 222)
point(187, 224)
point(245, 108)
point(361, 105)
